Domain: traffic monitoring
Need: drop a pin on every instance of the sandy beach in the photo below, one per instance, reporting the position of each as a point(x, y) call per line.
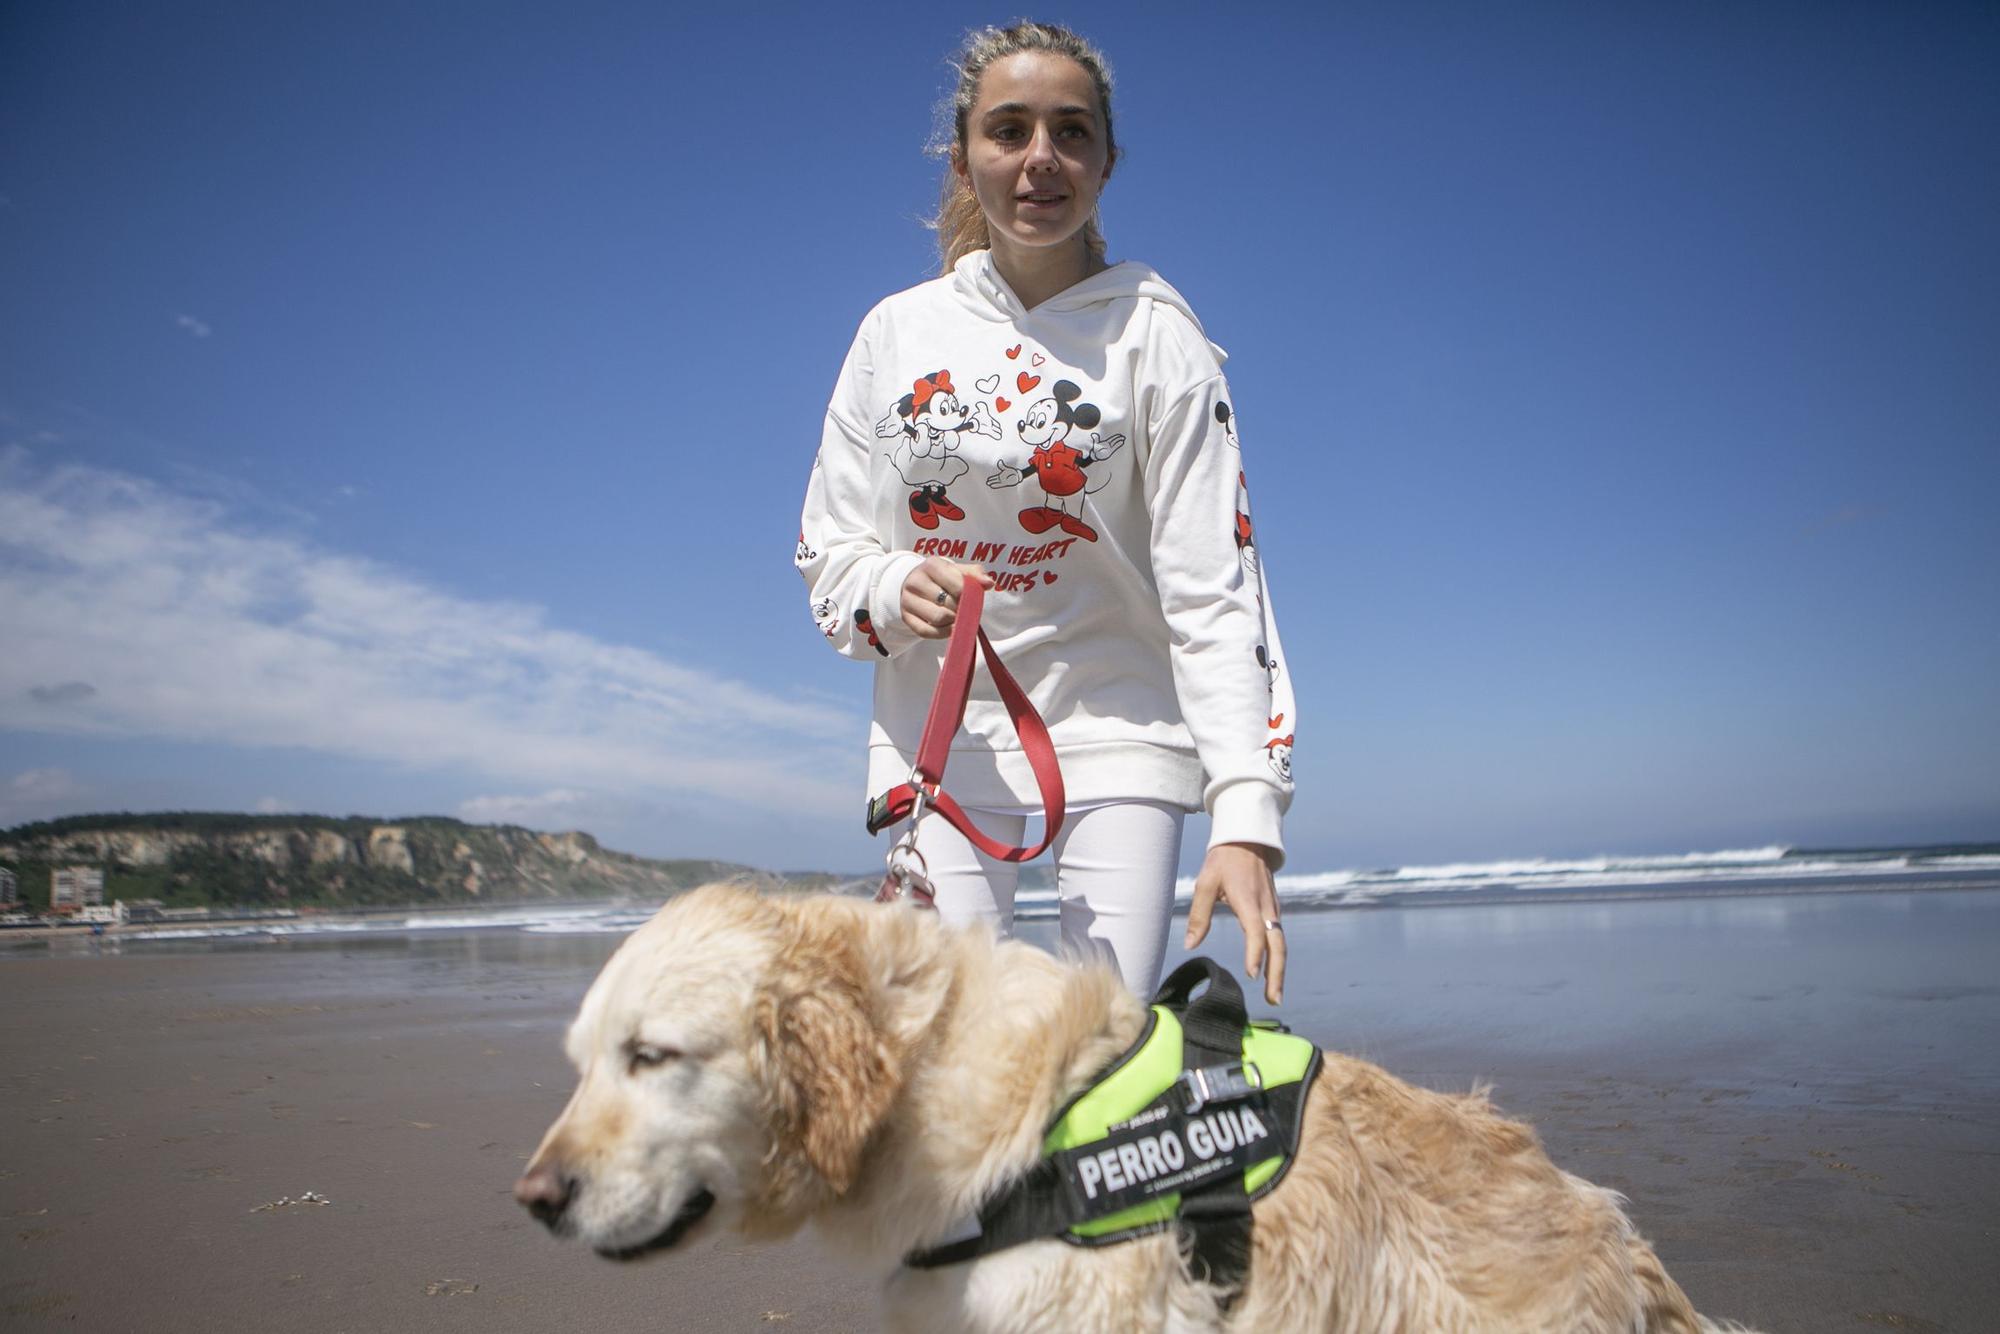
point(1800, 1096)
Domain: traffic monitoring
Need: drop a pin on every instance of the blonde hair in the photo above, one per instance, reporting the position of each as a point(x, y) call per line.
point(959, 224)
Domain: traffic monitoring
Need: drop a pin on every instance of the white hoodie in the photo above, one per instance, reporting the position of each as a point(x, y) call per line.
point(1085, 453)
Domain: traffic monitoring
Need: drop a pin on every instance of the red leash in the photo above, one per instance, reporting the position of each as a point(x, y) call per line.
point(925, 784)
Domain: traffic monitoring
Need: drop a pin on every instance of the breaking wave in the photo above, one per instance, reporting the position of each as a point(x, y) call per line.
point(1761, 870)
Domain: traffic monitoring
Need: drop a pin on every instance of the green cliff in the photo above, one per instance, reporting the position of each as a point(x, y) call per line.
point(195, 858)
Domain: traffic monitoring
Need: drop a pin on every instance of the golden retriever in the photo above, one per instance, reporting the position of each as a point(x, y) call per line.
point(754, 1062)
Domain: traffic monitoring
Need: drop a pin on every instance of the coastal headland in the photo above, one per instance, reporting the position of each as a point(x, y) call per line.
point(188, 862)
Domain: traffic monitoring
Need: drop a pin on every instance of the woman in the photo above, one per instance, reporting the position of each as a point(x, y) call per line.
point(1058, 428)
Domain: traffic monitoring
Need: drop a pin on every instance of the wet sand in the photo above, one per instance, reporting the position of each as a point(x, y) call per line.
point(1802, 1101)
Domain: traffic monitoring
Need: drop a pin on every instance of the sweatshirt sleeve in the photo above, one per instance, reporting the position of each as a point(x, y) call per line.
point(854, 581)
point(1229, 669)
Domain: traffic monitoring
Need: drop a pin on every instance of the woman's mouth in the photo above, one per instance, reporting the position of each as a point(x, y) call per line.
point(1043, 197)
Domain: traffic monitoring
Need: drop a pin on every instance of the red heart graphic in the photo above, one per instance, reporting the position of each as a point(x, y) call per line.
point(1277, 722)
point(1026, 381)
point(1002, 404)
point(1014, 352)
point(1048, 576)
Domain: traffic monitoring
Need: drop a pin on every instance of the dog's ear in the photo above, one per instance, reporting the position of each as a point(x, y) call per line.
point(828, 1070)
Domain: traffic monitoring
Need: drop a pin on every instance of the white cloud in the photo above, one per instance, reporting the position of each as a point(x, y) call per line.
point(274, 806)
point(42, 785)
point(135, 611)
point(37, 794)
point(194, 326)
point(559, 806)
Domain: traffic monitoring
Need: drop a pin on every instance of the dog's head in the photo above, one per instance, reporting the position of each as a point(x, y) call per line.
point(732, 1066)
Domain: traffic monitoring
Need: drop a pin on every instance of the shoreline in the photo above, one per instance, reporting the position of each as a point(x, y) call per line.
point(314, 915)
point(303, 923)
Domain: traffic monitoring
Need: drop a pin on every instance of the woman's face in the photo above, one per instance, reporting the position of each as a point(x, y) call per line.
point(1035, 150)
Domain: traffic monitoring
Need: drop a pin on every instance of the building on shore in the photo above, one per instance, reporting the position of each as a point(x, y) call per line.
point(73, 887)
point(10, 888)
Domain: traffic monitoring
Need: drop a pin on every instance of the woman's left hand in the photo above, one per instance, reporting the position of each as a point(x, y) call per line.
point(1240, 875)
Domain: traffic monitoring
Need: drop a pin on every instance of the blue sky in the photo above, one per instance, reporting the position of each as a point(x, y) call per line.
point(406, 408)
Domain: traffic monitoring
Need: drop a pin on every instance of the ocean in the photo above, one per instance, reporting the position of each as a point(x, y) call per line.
point(1729, 873)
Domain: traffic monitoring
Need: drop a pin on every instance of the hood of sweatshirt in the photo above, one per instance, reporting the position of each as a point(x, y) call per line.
point(977, 284)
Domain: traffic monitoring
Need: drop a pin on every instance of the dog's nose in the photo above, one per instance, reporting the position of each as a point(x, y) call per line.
point(546, 1193)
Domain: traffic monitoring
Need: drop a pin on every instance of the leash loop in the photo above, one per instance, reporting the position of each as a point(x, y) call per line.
point(924, 789)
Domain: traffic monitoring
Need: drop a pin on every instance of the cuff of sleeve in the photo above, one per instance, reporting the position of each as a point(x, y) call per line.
point(886, 605)
point(1248, 812)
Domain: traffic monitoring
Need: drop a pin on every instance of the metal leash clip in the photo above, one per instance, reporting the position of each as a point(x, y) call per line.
point(1221, 1083)
point(908, 875)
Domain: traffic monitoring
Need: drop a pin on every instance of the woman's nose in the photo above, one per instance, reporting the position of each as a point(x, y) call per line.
point(1042, 151)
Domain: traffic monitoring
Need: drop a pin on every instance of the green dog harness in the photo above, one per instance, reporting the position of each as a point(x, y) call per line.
point(1191, 1123)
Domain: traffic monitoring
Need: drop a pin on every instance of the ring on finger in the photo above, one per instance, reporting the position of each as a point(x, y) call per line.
point(1271, 925)
point(943, 598)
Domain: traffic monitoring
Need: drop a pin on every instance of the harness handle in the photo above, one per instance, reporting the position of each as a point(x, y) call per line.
point(947, 714)
point(1213, 1023)
point(1212, 1034)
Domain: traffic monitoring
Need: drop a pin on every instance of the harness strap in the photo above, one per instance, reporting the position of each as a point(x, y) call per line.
point(1216, 1217)
point(947, 715)
point(1034, 1209)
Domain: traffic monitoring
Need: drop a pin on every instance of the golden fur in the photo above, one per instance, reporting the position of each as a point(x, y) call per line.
point(866, 1069)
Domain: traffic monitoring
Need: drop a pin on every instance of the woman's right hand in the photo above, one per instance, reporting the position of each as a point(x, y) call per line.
point(930, 595)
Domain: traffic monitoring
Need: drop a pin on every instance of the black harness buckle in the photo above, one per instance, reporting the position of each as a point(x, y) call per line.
point(888, 808)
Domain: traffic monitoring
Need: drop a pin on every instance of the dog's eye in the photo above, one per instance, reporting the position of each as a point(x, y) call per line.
point(645, 1055)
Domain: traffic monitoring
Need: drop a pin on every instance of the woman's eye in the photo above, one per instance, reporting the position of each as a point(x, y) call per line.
point(646, 1055)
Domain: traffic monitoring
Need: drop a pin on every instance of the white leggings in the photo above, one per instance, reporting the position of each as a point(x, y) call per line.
point(1116, 864)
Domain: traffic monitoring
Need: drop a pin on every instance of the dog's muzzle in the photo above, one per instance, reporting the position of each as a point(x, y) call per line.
point(690, 1213)
point(548, 1195)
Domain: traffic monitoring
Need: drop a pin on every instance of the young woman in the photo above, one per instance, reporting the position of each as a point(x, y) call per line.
point(1058, 428)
